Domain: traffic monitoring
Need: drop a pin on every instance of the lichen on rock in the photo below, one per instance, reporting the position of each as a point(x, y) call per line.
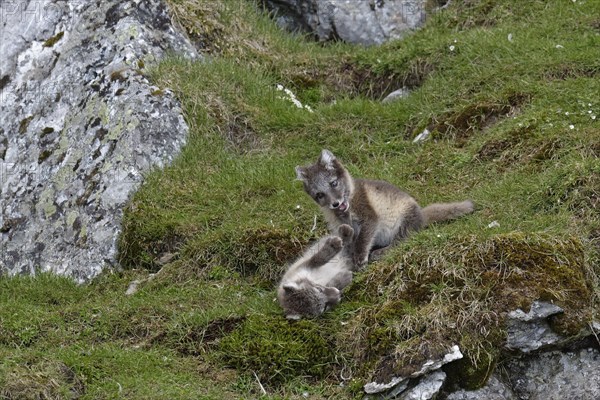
point(75, 142)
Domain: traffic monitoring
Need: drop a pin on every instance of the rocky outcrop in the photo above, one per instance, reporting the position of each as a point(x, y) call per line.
point(531, 331)
point(553, 375)
point(542, 365)
point(363, 22)
point(546, 365)
point(423, 384)
point(80, 125)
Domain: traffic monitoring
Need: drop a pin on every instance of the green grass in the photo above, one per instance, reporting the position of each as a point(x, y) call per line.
point(511, 129)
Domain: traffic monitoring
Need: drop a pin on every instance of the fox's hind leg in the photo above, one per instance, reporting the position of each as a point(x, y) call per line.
point(342, 279)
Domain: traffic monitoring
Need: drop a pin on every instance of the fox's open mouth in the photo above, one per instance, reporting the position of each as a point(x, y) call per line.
point(343, 207)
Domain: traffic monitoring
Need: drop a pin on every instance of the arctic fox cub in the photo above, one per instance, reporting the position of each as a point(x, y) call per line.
point(379, 212)
point(312, 284)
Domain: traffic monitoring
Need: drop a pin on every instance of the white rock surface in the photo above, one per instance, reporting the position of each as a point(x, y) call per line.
point(79, 126)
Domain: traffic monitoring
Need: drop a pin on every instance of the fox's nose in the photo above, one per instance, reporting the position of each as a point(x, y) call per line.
point(336, 204)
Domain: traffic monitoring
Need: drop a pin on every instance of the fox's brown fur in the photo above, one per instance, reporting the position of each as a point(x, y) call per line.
point(378, 211)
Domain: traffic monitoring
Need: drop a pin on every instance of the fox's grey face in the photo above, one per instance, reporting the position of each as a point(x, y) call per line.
point(305, 299)
point(327, 182)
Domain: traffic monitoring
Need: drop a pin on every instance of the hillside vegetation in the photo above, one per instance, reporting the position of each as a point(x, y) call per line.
point(509, 92)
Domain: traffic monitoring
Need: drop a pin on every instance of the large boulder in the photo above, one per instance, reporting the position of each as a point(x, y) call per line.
point(358, 21)
point(80, 125)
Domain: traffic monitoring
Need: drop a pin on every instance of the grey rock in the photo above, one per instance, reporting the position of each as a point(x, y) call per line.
point(427, 388)
point(543, 374)
point(397, 390)
point(401, 93)
point(426, 368)
point(494, 390)
point(530, 331)
point(375, 387)
point(354, 21)
point(557, 375)
point(433, 365)
point(80, 126)
point(552, 375)
point(423, 136)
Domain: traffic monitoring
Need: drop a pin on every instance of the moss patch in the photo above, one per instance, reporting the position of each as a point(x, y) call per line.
point(53, 40)
point(467, 375)
point(279, 350)
point(44, 155)
point(24, 124)
point(46, 131)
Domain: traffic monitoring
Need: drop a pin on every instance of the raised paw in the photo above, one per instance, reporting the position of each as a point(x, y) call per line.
point(346, 233)
point(333, 244)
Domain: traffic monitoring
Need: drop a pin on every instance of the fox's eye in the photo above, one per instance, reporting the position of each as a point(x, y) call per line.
point(319, 196)
point(334, 183)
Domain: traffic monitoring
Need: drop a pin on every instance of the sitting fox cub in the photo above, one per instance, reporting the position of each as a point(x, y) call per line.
point(379, 212)
point(312, 284)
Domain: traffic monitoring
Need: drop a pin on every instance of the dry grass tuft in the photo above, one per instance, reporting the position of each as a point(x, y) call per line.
point(48, 380)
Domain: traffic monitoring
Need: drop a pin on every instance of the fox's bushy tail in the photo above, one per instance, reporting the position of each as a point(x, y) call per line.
point(438, 212)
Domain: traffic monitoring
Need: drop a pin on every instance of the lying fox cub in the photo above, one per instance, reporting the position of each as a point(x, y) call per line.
point(312, 284)
point(379, 212)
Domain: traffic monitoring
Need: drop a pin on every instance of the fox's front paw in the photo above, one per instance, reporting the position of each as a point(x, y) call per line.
point(346, 233)
point(333, 245)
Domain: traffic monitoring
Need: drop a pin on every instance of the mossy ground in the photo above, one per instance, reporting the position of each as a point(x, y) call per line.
point(511, 109)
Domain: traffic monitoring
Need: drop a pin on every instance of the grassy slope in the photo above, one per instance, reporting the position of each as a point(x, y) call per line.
point(230, 215)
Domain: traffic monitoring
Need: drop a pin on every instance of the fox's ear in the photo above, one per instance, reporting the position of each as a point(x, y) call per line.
point(301, 173)
point(290, 287)
point(326, 159)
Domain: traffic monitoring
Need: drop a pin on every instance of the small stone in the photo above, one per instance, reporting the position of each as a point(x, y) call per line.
point(133, 288)
point(398, 94)
point(423, 136)
point(374, 387)
point(166, 258)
